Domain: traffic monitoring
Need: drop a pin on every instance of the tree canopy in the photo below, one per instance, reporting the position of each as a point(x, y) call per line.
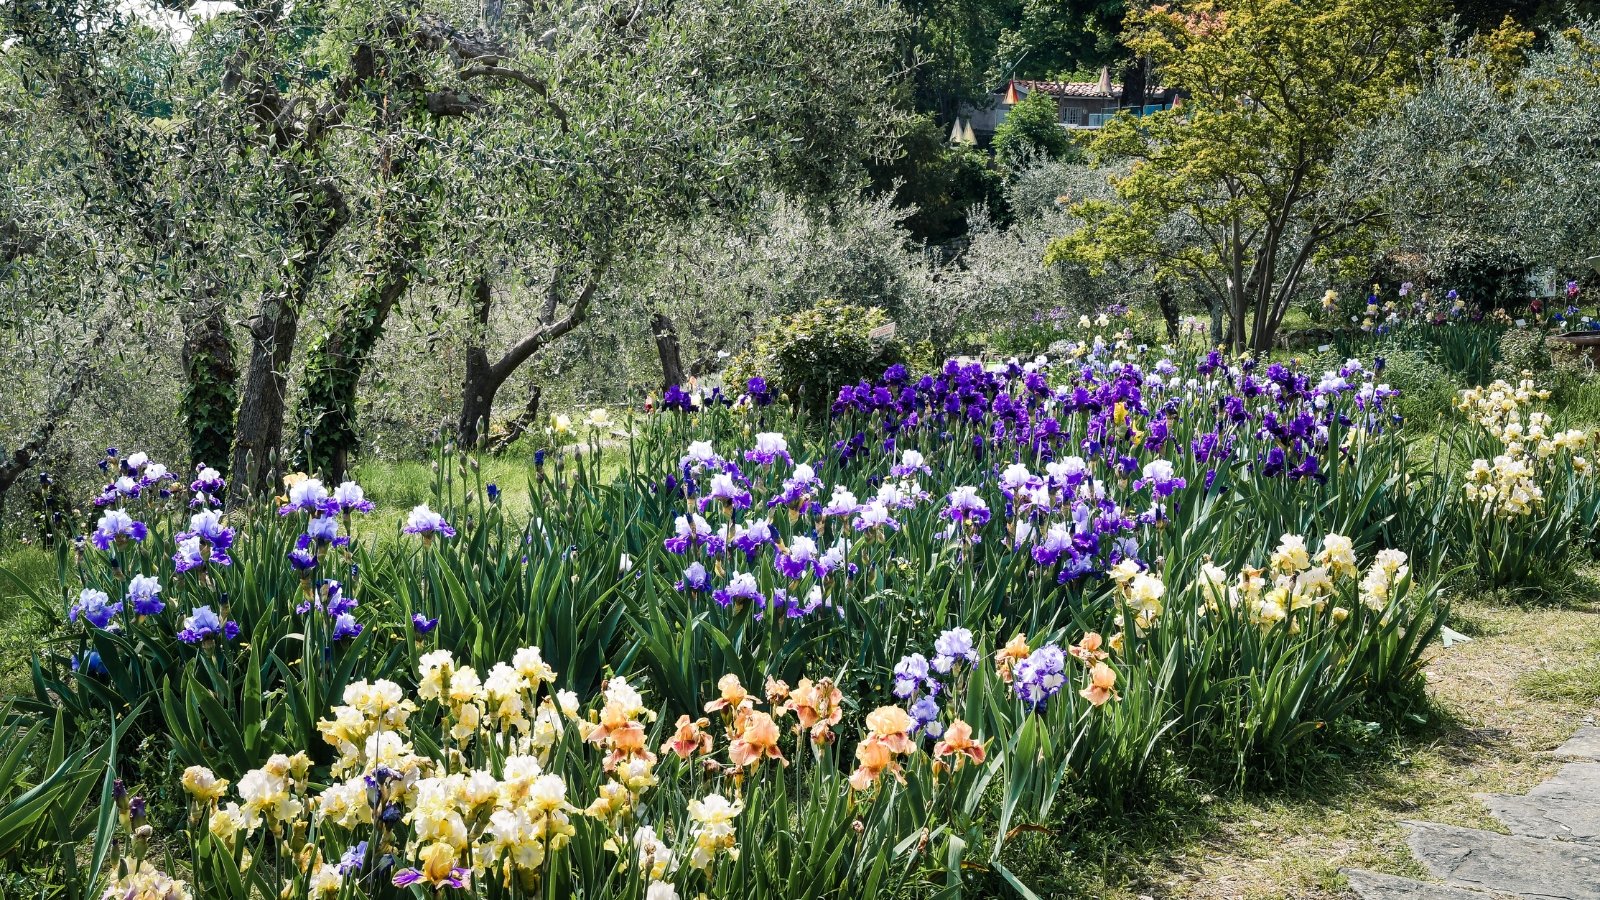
point(1272, 90)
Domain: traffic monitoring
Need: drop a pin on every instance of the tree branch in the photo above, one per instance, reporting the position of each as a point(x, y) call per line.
point(534, 341)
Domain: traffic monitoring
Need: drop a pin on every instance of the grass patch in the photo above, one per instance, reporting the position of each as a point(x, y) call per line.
point(1528, 678)
point(20, 626)
point(1578, 683)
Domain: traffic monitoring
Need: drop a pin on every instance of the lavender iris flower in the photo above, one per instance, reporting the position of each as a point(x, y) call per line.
point(323, 530)
point(207, 526)
point(912, 675)
point(144, 595)
point(427, 523)
point(799, 558)
point(348, 497)
point(1040, 676)
point(95, 607)
point(690, 531)
point(345, 627)
point(194, 553)
point(695, 578)
point(203, 625)
point(925, 712)
point(117, 527)
point(726, 490)
point(742, 587)
point(966, 507)
point(953, 646)
point(307, 495)
point(770, 447)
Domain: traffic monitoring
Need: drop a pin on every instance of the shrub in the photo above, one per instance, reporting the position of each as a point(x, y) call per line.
point(1032, 128)
point(1427, 391)
point(809, 354)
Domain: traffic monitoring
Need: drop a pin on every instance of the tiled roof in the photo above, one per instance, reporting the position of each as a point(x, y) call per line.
point(1070, 88)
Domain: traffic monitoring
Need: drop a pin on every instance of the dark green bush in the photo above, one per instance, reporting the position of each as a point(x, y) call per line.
point(807, 355)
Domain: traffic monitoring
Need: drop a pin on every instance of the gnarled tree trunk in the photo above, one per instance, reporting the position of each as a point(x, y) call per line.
point(484, 378)
point(335, 364)
point(258, 437)
point(479, 386)
point(667, 349)
point(209, 394)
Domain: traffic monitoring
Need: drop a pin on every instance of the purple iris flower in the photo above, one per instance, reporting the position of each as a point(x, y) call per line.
point(324, 530)
point(874, 514)
point(421, 624)
point(91, 663)
point(742, 587)
point(1057, 542)
point(841, 503)
point(799, 558)
point(1309, 467)
point(1160, 478)
point(207, 526)
point(751, 538)
point(144, 594)
point(911, 462)
point(353, 859)
point(301, 559)
point(456, 879)
point(345, 627)
point(695, 578)
point(726, 490)
point(690, 530)
point(194, 553)
point(208, 486)
point(771, 446)
point(966, 507)
point(348, 497)
point(799, 487)
point(117, 527)
point(204, 625)
point(677, 398)
point(759, 393)
point(339, 602)
point(308, 495)
point(900, 495)
point(427, 523)
point(95, 607)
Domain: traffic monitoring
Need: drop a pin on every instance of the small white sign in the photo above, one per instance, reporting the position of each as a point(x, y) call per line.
point(1522, 323)
point(881, 332)
point(1324, 348)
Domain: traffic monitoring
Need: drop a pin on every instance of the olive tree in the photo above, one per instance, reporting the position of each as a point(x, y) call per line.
point(1497, 152)
point(560, 141)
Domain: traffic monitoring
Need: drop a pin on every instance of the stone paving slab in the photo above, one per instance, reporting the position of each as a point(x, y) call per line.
point(1378, 886)
point(1583, 745)
point(1575, 781)
point(1560, 818)
point(1528, 867)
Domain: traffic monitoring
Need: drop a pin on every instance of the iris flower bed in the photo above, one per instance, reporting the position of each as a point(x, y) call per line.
point(748, 653)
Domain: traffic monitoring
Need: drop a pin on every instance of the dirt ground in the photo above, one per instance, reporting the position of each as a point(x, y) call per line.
point(1528, 678)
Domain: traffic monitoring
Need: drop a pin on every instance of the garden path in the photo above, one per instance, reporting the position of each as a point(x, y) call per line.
point(1551, 853)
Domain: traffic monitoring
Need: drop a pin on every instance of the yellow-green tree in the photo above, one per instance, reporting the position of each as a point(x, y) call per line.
point(1272, 89)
